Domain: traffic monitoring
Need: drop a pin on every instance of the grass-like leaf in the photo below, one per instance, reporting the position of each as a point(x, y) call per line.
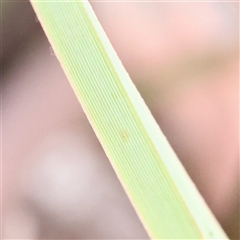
point(166, 200)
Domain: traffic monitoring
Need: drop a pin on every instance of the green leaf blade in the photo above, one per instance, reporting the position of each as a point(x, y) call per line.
point(161, 192)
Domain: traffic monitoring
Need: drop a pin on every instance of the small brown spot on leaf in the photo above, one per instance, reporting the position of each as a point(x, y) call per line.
point(124, 135)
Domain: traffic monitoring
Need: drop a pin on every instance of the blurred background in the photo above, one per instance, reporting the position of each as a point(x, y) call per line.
point(56, 180)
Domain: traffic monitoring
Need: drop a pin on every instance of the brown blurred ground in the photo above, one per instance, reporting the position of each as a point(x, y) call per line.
point(184, 59)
